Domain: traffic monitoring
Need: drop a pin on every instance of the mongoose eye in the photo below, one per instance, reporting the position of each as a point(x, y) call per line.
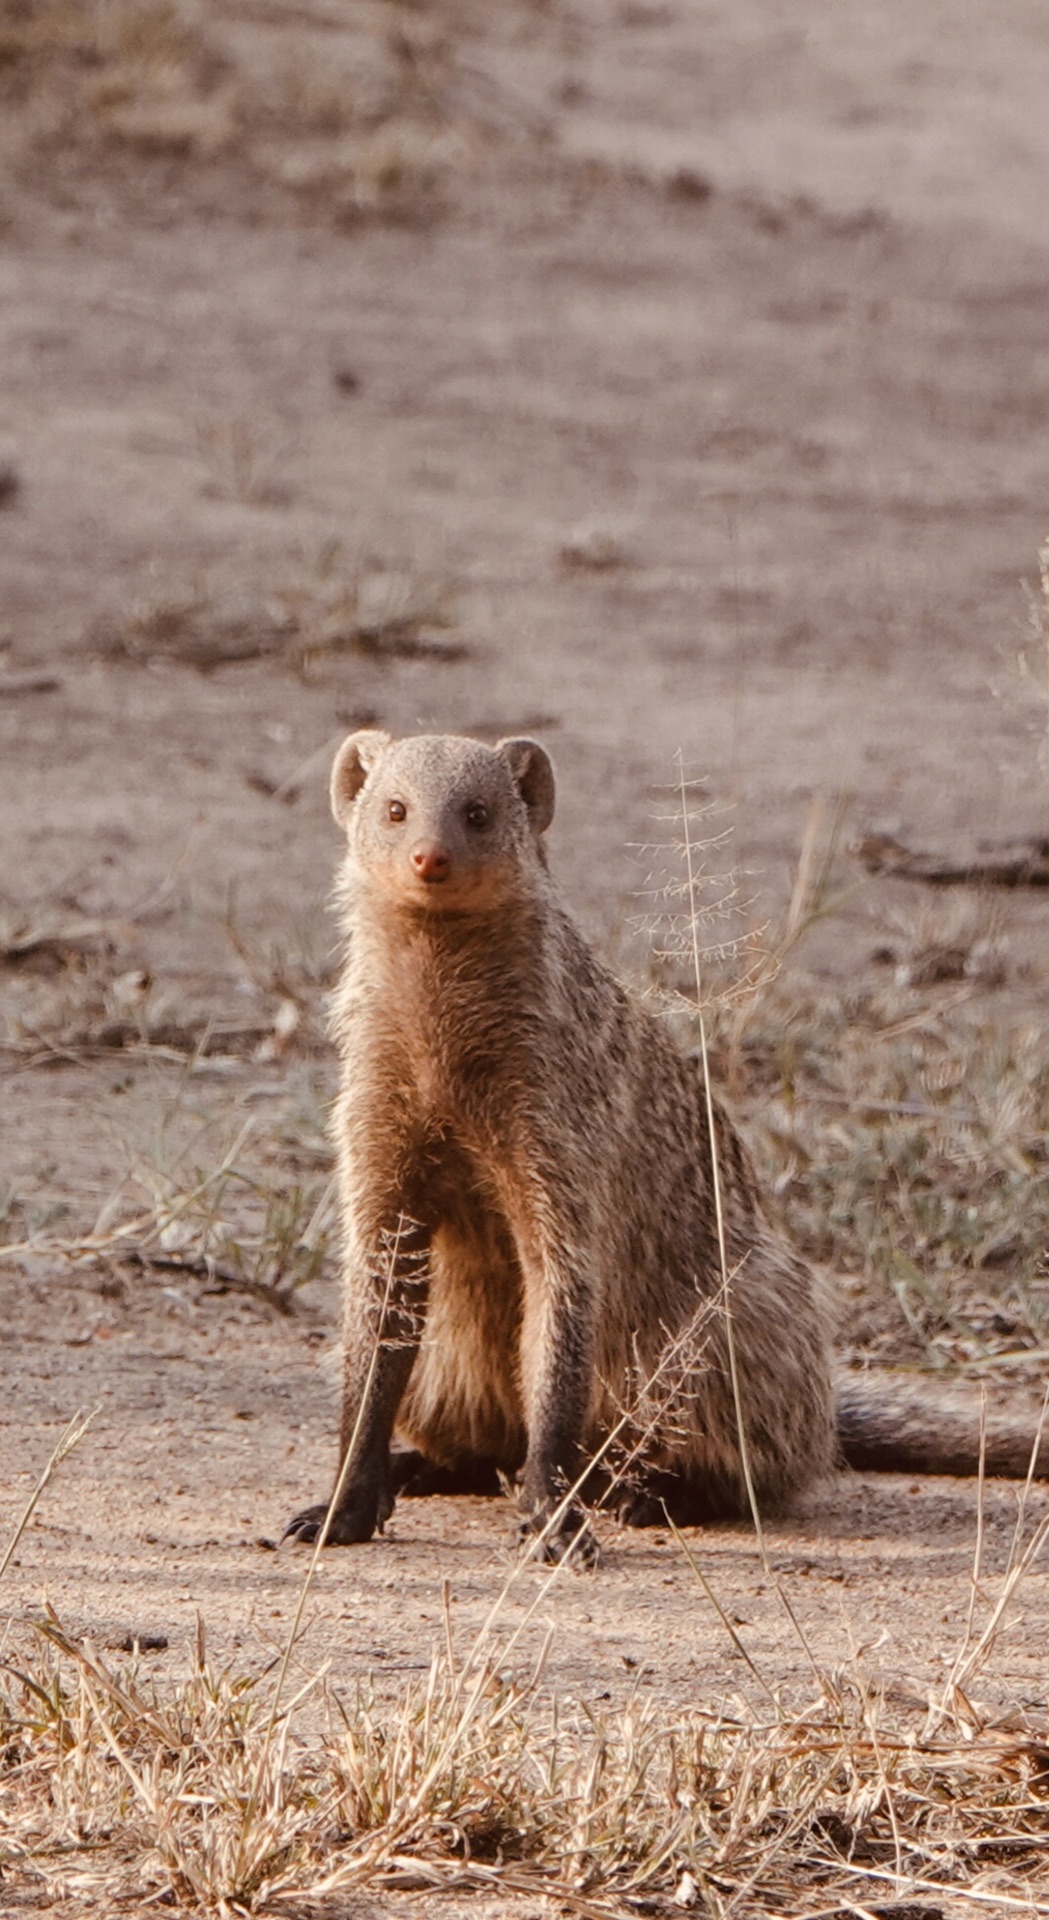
point(397, 810)
point(477, 814)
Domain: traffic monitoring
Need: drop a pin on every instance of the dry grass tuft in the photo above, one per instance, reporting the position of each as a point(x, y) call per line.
point(383, 612)
point(252, 1215)
point(116, 1787)
point(135, 72)
point(237, 1224)
point(905, 1129)
point(79, 1002)
point(367, 117)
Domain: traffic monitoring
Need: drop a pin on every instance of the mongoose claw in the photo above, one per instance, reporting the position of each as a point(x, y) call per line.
point(572, 1539)
point(305, 1526)
point(349, 1526)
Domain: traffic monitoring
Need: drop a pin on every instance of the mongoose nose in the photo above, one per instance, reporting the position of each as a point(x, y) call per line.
point(430, 863)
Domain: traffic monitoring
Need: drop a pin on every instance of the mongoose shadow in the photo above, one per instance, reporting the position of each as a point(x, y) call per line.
point(531, 1179)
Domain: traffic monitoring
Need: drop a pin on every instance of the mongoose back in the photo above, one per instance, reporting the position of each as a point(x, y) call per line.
point(529, 1215)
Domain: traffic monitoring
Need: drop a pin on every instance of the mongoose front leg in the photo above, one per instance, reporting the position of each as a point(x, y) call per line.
point(385, 1305)
point(555, 1357)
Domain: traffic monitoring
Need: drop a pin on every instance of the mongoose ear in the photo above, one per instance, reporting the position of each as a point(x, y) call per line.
point(353, 763)
point(533, 772)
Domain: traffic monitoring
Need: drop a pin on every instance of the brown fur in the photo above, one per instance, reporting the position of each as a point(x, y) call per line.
point(526, 1176)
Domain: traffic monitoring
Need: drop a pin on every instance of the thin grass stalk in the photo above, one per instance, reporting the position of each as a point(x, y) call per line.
point(71, 1438)
point(714, 1162)
point(316, 1219)
point(1016, 1566)
point(890, 1804)
point(720, 1611)
point(977, 1657)
point(726, 1278)
point(799, 894)
point(1021, 1505)
point(974, 1580)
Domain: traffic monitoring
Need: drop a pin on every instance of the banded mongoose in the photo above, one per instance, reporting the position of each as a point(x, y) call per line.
point(528, 1200)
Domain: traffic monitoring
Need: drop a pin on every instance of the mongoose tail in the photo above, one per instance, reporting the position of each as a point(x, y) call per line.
point(891, 1423)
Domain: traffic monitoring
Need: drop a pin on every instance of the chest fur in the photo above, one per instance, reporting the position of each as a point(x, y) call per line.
point(455, 1019)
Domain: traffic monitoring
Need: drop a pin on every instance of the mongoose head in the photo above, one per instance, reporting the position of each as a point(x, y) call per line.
point(440, 823)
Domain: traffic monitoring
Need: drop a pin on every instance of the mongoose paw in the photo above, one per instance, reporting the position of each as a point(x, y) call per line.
point(572, 1539)
point(349, 1526)
point(641, 1506)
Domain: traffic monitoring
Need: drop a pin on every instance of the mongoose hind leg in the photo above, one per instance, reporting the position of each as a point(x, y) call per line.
point(657, 1499)
point(417, 1477)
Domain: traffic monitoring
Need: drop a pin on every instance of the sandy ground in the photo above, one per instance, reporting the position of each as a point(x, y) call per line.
point(712, 411)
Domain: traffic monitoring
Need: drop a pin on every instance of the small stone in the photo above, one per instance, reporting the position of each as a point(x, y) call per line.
point(593, 549)
point(687, 183)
